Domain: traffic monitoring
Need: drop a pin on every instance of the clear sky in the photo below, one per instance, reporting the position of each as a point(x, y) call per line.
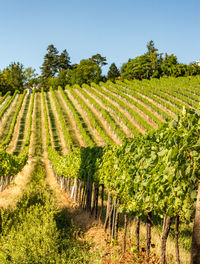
point(117, 29)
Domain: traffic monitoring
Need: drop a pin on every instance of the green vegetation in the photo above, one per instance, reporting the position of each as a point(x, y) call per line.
point(22, 128)
point(153, 65)
point(10, 134)
point(160, 180)
point(36, 231)
point(57, 70)
point(152, 177)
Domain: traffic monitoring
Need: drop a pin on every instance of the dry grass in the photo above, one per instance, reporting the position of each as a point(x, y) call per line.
point(156, 240)
point(105, 251)
point(119, 122)
point(97, 138)
point(11, 195)
point(103, 122)
point(58, 125)
point(72, 121)
point(124, 112)
point(11, 147)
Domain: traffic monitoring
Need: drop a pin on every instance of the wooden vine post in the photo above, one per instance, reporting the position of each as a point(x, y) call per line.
point(148, 226)
point(165, 233)
point(176, 239)
point(137, 234)
point(195, 247)
point(125, 232)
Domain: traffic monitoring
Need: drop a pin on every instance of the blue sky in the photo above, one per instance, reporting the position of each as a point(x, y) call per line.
point(117, 29)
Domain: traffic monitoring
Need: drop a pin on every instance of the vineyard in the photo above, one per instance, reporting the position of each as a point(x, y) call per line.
point(124, 151)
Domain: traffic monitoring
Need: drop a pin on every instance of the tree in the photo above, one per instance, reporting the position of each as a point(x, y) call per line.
point(168, 63)
point(113, 72)
point(64, 61)
point(12, 78)
point(137, 68)
point(86, 72)
point(99, 60)
point(193, 69)
point(51, 61)
point(144, 66)
point(156, 59)
point(62, 79)
point(151, 48)
point(30, 77)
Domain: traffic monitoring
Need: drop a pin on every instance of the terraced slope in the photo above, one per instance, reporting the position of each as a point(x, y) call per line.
point(78, 133)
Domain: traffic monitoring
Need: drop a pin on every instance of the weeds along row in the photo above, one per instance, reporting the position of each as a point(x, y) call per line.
point(12, 164)
point(113, 103)
point(22, 126)
point(152, 177)
point(36, 231)
point(158, 183)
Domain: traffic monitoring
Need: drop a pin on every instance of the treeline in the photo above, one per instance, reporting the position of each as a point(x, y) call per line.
point(57, 70)
point(153, 65)
point(15, 77)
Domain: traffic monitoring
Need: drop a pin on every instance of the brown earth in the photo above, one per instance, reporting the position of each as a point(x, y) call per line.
point(140, 112)
point(11, 147)
point(122, 126)
point(97, 138)
point(7, 113)
point(58, 126)
point(100, 118)
point(72, 120)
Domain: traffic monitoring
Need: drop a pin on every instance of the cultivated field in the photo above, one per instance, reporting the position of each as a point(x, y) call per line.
point(115, 149)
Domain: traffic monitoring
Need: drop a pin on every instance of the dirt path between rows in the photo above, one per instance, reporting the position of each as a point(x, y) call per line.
point(105, 125)
point(125, 113)
point(4, 119)
point(11, 147)
point(114, 115)
point(153, 112)
point(135, 108)
point(97, 138)
point(4, 102)
point(164, 108)
point(49, 123)
point(176, 98)
point(72, 121)
point(12, 194)
point(58, 126)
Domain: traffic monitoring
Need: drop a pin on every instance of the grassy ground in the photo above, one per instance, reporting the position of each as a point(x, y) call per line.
point(36, 231)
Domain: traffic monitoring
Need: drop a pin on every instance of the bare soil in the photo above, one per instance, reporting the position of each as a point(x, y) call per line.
point(125, 113)
point(58, 126)
point(140, 112)
point(12, 194)
point(122, 126)
point(93, 132)
point(100, 118)
point(7, 113)
point(11, 147)
point(73, 122)
point(147, 107)
point(179, 100)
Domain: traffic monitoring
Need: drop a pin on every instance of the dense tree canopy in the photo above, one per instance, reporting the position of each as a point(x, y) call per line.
point(113, 72)
point(64, 61)
point(12, 78)
point(86, 72)
point(153, 65)
point(138, 68)
point(57, 70)
point(50, 65)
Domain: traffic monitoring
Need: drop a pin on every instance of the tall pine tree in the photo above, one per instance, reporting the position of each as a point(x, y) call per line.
point(64, 61)
point(113, 72)
point(51, 61)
